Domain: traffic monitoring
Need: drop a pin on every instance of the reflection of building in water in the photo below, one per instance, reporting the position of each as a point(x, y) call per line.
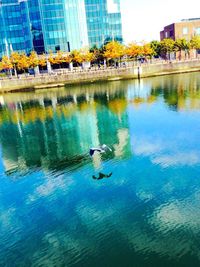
point(113, 124)
point(55, 133)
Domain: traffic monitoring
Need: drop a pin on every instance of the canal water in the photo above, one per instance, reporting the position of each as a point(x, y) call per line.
point(135, 206)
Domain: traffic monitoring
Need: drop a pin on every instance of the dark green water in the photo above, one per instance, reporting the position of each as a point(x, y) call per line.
point(53, 213)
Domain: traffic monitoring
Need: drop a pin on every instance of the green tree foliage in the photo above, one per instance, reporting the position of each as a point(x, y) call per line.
point(98, 53)
point(195, 43)
point(156, 46)
point(182, 45)
point(167, 46)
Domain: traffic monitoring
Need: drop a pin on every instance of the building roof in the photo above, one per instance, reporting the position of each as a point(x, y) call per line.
point(190, 19)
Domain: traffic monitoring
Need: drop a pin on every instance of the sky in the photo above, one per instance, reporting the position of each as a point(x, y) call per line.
point(143, 20)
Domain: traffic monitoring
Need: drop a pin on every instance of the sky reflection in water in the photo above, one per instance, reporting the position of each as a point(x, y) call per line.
point(53, 213)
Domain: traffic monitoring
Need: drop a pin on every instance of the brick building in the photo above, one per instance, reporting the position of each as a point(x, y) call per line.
point(187, 28)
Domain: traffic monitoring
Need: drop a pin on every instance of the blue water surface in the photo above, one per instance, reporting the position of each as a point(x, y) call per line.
point(147, 213)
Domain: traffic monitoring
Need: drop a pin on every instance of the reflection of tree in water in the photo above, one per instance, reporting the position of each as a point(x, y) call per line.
point(180, 92)
point(57, 133)
point(57, 128)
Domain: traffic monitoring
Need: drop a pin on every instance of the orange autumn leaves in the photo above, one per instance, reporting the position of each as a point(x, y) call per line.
point(22, 62)
point(115, 50)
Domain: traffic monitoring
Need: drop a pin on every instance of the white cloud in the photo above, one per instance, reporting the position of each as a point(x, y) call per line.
point(50, 186)
point(188, 159)
point(165, 153)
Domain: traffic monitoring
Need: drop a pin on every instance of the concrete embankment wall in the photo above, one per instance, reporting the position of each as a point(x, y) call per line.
point(145, 70)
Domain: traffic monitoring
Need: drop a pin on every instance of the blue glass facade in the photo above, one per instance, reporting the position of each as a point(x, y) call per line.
point(76, 23)
point(15, 33)
point(51, 25)
point(36, 26)
point(103, 21)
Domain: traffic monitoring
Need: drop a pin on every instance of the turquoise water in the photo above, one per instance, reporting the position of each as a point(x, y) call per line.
point(147, 213)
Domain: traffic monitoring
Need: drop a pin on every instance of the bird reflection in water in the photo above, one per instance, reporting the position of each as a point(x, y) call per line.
point(102, 176)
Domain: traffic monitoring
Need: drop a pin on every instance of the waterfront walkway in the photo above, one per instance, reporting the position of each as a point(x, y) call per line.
point(126, 70)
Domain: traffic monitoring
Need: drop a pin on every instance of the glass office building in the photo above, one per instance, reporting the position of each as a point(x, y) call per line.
point(52, 25)
point(103, 21)
point(36, 26)
point(15, 31)
point(76, 23)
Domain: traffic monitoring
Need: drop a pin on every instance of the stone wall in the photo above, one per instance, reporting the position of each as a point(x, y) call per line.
point(56, 80)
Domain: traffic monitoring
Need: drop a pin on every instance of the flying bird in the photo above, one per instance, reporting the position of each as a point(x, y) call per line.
point(100, 149)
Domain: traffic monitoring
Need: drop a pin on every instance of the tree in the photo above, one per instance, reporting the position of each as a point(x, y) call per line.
point(51, 58)
point(58, 59)
point(113, 50)
point(86, 55)
point(156, 46)
point(134, 50)
point(6, 64)
point(33, 60)
point(182, 45)
point(147, 50)
point(195, 43)
point(97, 54)
point(76, 56)
point(167, 46)
point(67, 58)
point(42, 61)
point(23, 63)
point(15, 58)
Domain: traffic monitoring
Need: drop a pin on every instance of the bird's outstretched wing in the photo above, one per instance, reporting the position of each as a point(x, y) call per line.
point(105, 147)
point(101, 149)
point(93, 149)
point(91, 152)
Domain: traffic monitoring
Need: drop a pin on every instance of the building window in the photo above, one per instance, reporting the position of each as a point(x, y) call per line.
point(185, 30)
point(166, 34)
point(197, 31)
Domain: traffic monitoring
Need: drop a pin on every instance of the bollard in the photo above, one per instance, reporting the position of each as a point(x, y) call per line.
point(139, 72)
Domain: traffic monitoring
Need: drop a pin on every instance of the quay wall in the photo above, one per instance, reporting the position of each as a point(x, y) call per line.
point(75, 77)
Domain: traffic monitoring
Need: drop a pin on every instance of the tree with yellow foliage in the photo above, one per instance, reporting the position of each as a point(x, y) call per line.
point(87, 56)
point(147, 51)
point(58, 59)
point(67, 58)
point(134, 50)
point(42, 62)
point(33, 60)
point(15, 58)
point(6, 64)
point(23, 63)
point(76, 56)
point(51, 58)
point(113, 51)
